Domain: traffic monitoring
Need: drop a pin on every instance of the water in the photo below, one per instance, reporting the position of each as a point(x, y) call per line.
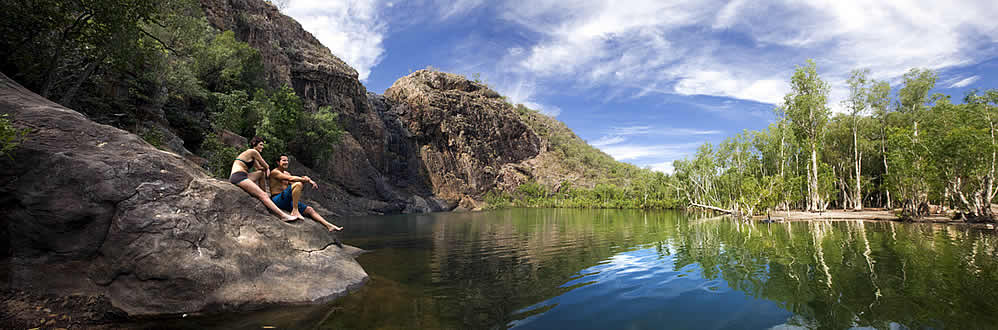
point(599, 269)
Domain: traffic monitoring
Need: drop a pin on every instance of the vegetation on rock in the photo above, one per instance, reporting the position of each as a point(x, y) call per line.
point(10, 137)
point(151, 64)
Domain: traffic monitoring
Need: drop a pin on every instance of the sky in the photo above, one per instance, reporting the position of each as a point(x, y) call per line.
point(649, 81)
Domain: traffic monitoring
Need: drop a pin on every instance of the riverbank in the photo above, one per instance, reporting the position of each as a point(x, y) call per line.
point(865, 214)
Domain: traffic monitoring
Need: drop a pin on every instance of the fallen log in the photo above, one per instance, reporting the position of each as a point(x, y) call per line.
point(712, 208)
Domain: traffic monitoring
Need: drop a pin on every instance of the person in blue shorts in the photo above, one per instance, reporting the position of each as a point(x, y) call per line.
point(250, 182)
point(286, 190)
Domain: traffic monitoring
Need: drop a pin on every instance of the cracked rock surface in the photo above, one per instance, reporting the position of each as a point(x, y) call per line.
point(88, 209)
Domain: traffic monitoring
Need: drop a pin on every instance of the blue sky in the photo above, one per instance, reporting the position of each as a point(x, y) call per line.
point(648, 81)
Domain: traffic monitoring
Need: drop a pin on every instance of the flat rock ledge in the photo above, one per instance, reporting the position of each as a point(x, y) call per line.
point(89, 210)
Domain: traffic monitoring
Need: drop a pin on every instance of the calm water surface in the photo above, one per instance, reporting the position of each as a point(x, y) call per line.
point(600, 269)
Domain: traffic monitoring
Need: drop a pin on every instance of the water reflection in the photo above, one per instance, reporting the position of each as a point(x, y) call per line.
point(825, 274)
point(587, 269)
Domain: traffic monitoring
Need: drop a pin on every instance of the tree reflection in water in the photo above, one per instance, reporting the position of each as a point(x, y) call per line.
point(539, 268)
point(916, 275)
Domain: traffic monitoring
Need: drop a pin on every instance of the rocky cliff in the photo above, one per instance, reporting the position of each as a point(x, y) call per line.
point(90, 209)
point(433, 141)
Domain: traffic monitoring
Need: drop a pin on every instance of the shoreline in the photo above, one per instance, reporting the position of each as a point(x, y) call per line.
point(865, 215)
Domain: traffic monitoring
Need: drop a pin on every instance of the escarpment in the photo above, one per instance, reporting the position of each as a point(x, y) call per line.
point(466, 132)
point(433, 140)
point(91, 209)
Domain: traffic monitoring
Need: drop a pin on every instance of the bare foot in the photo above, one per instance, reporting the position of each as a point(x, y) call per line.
point(297, 215)
point(288, 218)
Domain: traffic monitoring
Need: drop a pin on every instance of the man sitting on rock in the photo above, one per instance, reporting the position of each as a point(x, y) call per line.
point(284, 193)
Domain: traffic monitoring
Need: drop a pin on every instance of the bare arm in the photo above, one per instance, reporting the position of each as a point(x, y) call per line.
point(259, 159)
point(284, 176)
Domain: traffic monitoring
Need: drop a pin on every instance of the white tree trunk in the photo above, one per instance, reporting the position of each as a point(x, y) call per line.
point(815, 194)
point(858, 194)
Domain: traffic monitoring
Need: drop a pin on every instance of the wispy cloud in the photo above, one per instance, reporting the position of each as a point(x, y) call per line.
point(964, 82)
point(608, 140)
point(625, 152)
point(661, 43)
point(351, 29)
point(664, 167)
point(667, 131)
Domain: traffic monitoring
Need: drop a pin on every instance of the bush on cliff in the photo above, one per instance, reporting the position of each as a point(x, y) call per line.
point(600, 181)
point(10, 137)
point(288, 128)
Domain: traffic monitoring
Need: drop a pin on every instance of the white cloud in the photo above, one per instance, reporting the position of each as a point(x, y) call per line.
point(632, 151)
point(520, 91)
point(666, 131)
point(964, 82)
point(664, 167)
point(654, 46)
point(351, 29)
point(608, 140)
point(622, 152)
point(449, 8)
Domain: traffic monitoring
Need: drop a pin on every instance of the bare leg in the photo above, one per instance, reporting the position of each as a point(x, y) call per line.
point(296, 189)
point(315, 215)
point(255, 191)
point(258, 178)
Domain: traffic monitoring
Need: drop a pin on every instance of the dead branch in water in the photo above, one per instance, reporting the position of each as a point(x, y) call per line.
point(712, 208)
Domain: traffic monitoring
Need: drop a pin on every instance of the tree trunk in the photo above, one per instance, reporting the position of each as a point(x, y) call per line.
point(858, 194)
point(715, 208)
point(815, 195)
point(67, 98)
point(886, 174)
point(50, 75)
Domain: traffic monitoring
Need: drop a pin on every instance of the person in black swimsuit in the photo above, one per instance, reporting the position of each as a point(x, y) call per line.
point(250, 182)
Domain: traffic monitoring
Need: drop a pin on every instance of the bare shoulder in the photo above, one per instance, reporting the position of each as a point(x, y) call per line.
point(249, 153)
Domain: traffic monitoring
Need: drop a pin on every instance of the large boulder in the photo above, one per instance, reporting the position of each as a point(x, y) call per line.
point(90, 209)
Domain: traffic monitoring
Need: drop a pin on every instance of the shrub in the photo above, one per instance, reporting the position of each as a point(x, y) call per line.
point(219, 156)
point(10, 137)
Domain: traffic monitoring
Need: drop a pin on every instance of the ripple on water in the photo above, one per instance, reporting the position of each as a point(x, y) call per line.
point(630, 289)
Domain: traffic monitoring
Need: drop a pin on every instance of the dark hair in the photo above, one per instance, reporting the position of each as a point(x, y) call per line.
point(278, 160)
point(255, 140)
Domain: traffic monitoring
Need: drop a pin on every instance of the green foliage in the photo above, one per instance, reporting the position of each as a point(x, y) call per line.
point(219, 156)
point(288, 128)
point(226, 64)
point(10, 137)
point(237, 112)
point(153, 137)
point(596, 179)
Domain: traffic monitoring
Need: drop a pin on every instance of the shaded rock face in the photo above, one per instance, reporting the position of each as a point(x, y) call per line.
point(294, 57)
point(92, 209)
point(466, 132)
point(431, 141)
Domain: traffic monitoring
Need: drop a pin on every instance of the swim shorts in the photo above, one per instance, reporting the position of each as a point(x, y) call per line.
point(283, 201)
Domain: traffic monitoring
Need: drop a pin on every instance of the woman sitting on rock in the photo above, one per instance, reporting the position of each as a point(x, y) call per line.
point(241, 177)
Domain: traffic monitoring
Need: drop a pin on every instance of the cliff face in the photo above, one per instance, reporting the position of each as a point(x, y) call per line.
point(292, 56)
point(433, 140)
point(91, 209)
point(466, 132)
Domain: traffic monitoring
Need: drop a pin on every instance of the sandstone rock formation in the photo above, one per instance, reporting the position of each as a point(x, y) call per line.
point(364, 170)
point(466, 131)
point(431, 141)
point(94, 210)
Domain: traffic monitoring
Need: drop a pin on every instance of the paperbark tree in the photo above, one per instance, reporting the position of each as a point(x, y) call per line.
point(912, 99)
point(807, 109)
point(879, 99)
point(857, 103)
